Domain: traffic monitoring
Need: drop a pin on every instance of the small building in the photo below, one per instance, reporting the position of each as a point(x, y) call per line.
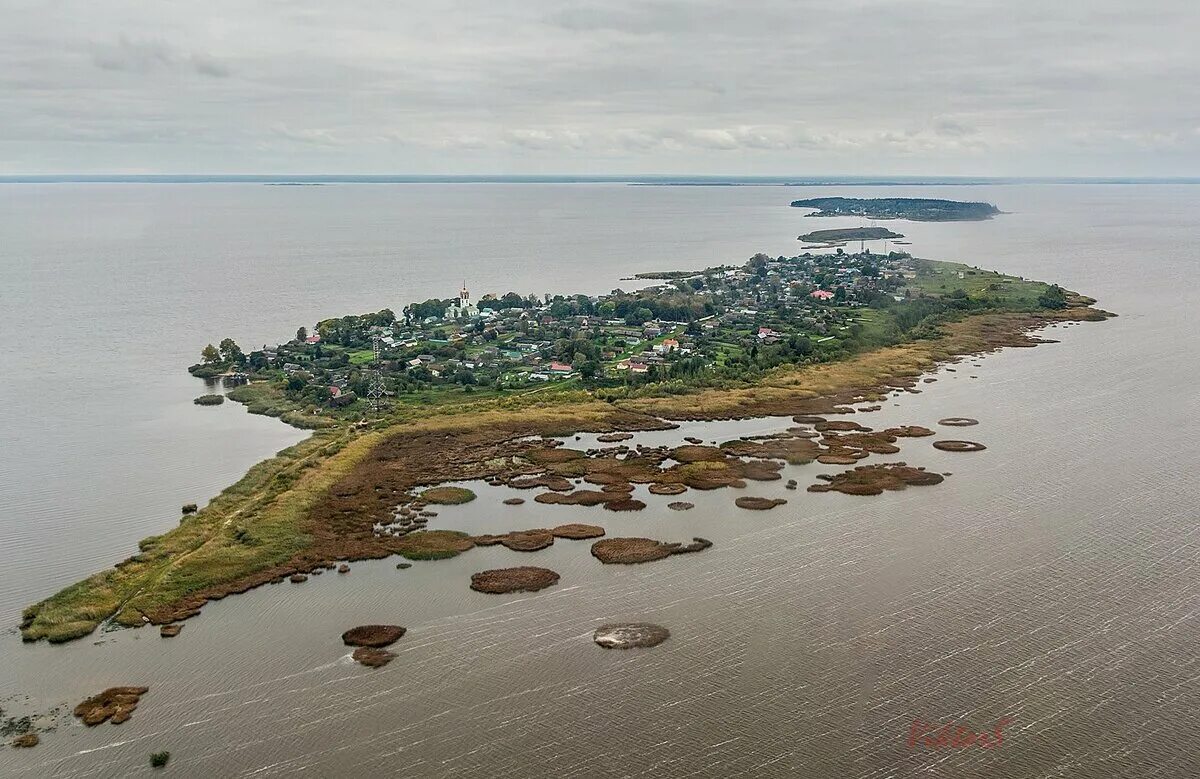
point(821, 294)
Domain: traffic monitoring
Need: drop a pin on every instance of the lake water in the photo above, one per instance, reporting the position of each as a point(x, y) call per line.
point(1051, 579)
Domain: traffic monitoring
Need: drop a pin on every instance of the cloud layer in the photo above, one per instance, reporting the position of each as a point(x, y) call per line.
point(781, 87)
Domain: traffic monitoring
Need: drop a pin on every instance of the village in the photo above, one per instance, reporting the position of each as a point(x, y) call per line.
point(713, 325)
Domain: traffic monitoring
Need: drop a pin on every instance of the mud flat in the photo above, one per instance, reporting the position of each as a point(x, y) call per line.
point(520, 579)
point(116, 704)
point(630, 635)
point(958, 421)
point(681, 505)
point(374, 636)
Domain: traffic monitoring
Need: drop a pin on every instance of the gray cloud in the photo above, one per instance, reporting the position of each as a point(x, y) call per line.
point(149, 56)
point(1020, 87)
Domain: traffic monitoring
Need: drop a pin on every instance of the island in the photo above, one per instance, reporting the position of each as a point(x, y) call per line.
point(916, 209)
point(841, 236)
point(456, 390)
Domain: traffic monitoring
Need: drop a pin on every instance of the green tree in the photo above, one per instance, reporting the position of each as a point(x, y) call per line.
point(210, 355)
point(1054, 297)
point(231, 352)
point(302, 335)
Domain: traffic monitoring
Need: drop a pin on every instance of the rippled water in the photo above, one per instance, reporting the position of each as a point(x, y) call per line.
point(1051, 579)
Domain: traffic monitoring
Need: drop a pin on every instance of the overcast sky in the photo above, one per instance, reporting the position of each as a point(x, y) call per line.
point(774, 87)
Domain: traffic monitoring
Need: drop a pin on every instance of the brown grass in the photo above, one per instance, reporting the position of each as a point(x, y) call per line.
point(521, 579)
point(116, 704)
point(874, 479)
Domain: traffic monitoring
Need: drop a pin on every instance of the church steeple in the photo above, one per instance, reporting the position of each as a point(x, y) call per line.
point(464, 297)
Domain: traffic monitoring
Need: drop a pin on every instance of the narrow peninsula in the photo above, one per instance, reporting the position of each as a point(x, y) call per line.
point(457, 390)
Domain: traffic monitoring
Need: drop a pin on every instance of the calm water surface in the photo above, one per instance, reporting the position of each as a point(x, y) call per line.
point(1051, 579)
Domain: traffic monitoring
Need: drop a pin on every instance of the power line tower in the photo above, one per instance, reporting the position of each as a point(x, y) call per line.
point(375, 387)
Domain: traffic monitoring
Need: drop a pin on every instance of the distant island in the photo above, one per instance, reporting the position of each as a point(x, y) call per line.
point(918, 209)
point(840, 236)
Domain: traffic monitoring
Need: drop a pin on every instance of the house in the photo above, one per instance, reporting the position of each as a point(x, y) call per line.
point(315, 338)
point(820, 294)
point(558, 367)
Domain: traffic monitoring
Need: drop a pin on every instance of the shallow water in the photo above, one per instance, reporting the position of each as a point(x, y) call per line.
point(1052, 578)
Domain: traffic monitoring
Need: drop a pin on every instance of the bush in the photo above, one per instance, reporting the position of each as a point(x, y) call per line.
point(209, 400)
point(159, 759)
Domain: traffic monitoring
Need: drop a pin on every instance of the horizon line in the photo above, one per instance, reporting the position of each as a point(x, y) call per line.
point(628, 178)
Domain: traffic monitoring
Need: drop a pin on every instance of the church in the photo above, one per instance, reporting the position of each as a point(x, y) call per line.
point(462, 309)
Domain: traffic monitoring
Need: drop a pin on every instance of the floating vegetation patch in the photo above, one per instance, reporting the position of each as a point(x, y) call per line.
point(759, 504)
point(116, 704)
point(642, 550)
point(373, 635)
point(521, 579)
point(959, 446)
point(373, 657)
point(630, 635)
point(874, 479)
point(448, 496)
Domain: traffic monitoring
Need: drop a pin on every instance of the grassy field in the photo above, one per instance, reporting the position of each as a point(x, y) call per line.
point(941, 278)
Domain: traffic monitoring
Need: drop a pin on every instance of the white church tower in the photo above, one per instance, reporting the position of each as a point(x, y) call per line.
point(463, 309)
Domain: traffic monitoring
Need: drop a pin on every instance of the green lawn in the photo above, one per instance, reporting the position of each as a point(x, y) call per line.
point(940, 278)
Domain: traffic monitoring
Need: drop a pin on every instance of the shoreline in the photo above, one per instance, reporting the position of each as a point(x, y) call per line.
point(294, 505)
